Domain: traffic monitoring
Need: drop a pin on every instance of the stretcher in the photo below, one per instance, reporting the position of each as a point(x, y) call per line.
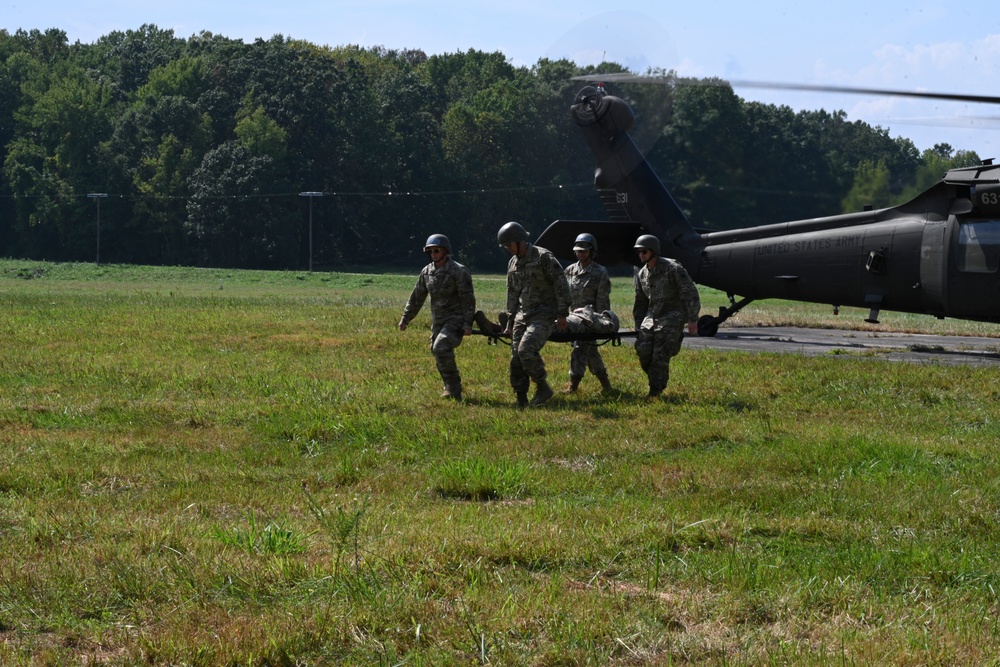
point(615, 339)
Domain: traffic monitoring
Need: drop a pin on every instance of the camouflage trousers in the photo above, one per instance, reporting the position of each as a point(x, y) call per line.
point(527, 340)
point(654, 348)
point(586, 355)
point(444, 340)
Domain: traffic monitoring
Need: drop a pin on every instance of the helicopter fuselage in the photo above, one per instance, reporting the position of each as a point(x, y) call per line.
point(937, 255)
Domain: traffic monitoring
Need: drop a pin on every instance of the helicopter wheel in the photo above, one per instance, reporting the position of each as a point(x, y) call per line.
point(708, 326)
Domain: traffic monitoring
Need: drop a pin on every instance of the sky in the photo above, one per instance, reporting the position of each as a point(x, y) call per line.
point(913, 45)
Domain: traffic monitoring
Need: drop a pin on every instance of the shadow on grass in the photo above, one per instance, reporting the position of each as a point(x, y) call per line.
point(601, 406)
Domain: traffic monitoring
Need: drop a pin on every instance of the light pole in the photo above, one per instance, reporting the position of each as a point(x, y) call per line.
point(310, 195)
point(98, 196)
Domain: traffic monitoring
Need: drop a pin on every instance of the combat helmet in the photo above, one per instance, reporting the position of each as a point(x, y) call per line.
point(649, 242)
point(438, 241)
point(511, 232)
point(586, 242)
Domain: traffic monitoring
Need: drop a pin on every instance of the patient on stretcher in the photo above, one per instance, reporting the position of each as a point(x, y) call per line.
point(585, 320)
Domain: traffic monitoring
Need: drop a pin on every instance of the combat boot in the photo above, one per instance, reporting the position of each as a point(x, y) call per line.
point(522, 399)
point(543, 392)
point(572, 386)
point(605, 383)
point(453, 392)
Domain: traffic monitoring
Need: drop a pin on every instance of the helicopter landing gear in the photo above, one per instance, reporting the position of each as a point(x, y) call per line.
point(708, 325)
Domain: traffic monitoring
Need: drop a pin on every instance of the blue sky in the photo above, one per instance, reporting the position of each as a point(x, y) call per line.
point(938, 45)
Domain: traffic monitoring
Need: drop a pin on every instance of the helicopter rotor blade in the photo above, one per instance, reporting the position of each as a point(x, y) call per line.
point(628, 77)
point(928, 95)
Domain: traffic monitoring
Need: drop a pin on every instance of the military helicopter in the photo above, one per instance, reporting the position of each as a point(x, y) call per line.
point(938, 254)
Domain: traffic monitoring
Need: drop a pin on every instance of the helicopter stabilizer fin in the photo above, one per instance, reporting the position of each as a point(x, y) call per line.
point(616, 239)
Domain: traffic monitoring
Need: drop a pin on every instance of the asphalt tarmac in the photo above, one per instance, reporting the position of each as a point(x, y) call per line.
point(916, 348)
point(843, 343)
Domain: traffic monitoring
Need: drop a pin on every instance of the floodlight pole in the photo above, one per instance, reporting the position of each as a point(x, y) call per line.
point(98, 196)
point(310, 195)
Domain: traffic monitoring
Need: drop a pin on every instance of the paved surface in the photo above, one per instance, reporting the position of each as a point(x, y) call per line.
point(918, 348)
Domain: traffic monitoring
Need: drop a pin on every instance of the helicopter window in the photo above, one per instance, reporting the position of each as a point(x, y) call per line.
point(979, 246)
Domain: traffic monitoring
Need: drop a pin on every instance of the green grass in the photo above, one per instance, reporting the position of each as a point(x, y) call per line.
point(264, 474)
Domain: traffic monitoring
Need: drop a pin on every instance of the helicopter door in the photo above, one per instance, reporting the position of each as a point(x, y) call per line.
point(933, 262)
point(973, 287)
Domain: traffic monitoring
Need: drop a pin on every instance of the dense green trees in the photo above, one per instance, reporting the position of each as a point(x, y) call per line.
point(203, 145)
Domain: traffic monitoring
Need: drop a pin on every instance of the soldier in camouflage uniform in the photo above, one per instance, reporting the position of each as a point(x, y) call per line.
point(665, 299)
point(537, 300)
point(453, 303)
point(589, 285)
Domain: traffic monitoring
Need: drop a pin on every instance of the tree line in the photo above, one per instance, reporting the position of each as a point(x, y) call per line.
point(197, 151)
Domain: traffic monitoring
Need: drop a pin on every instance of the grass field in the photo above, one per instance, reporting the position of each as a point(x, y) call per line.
point(208, 467)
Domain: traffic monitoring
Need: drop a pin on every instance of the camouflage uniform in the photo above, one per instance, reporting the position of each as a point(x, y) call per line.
point(453, 303)
point(537, 294)
point(666, 299)
point(589, 286)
